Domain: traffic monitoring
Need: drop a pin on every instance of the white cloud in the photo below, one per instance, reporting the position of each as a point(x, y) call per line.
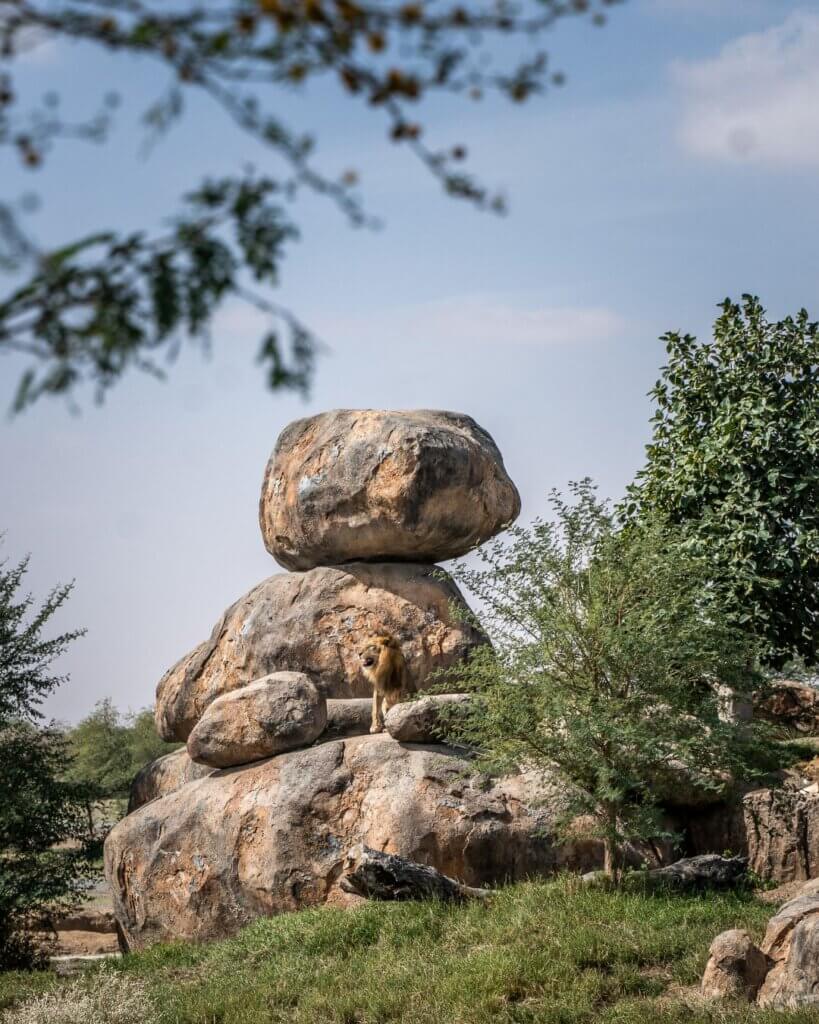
point(758, 99)
point(477, 320)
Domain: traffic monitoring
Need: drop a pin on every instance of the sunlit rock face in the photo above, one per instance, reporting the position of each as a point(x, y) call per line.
point(371, 485)
point(314, 622)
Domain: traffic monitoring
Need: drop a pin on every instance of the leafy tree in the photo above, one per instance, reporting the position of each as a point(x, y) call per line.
point(41, 862)
point(734, 461)
point(607, 645)
point(107, 750)
point(143, 740)
point(103, 304)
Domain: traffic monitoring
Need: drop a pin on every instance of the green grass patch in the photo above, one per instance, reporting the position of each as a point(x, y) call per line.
point(550, 952)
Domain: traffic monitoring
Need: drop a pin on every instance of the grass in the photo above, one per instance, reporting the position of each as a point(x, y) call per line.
point(551, 952)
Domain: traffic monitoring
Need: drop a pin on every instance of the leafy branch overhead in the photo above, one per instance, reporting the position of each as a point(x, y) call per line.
point(97, 307)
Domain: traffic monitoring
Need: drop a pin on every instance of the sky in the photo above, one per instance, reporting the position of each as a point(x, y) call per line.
point(678, 165)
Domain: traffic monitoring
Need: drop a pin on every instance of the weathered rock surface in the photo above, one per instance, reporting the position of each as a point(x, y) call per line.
point(349, 485)
point(793, 705)
point(162, 776)
point(791, 944)
point(777, 829)
point(269, 837)
point(313, 622)
point(782, 830)
point(418, 721)
point(351, 717)
point(736, 968)
point(271, 715)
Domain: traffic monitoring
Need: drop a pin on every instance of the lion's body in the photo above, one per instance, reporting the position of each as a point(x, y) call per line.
point(385, 669)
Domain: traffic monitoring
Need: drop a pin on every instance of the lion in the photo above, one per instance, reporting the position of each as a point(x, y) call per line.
point(383, 665)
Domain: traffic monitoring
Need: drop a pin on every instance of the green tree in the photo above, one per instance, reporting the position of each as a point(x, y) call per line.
point(606, 649)
point(734, 461)
point(107, 749)
point(144, 742)
point(103, 304)
point(42, 862)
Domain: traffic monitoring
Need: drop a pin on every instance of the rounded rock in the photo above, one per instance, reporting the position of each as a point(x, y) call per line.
point(280, 712)
point(420, 721)
point(372, 485)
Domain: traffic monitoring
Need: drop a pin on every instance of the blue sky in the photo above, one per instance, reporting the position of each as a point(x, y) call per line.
point(677, 166)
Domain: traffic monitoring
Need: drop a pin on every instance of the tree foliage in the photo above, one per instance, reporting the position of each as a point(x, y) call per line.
point(101, 305)
point(42, 860)
point(108, 748)
point(734, 461)
point(607, 645)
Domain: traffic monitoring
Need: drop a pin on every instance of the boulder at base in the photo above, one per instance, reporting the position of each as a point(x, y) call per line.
point(271, 837)
point(349, 485)
point(735, 968)
point(162, 776)
point(274, 714)
point(314, 623)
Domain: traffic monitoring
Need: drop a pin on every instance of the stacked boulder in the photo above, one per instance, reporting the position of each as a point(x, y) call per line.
point(281, 776)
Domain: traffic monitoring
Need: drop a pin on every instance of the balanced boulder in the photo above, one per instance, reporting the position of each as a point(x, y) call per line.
point(314, 623)
point(272, 715)
point(349, 485)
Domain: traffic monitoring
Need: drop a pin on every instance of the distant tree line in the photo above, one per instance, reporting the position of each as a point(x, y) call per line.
point(106, 750)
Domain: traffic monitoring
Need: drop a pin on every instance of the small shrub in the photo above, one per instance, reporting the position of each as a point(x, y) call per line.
point(100, 998)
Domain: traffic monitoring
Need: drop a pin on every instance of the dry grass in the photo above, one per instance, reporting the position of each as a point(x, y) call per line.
point(102, 997)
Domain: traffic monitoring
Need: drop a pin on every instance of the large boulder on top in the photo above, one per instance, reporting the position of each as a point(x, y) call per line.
point(270, 837)
point(274, 714)
point(314, 623)
point(365, 484)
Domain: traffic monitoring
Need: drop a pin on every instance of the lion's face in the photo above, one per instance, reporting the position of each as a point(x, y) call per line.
point(372, 649)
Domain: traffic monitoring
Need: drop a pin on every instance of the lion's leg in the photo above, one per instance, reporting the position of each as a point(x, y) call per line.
point(377, 724)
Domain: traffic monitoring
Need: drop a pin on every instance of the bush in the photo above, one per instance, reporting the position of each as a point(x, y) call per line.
point(100, 998)
point(610, 653)
point(42, 863)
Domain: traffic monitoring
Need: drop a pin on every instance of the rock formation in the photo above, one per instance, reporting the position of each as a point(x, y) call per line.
point(783, 972)
point(281, 777)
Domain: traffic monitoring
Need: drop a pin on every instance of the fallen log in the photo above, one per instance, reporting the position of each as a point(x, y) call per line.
point(386, 876)
point(706, 871)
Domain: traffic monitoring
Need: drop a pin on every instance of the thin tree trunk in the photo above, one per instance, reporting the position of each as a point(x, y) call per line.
point(612, 852)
